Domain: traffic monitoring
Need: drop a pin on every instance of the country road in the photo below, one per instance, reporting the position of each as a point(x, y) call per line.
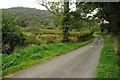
point(80, 63)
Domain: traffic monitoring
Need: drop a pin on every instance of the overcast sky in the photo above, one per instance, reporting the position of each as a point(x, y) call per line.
point(25, 3)
point(30, 3)
point(20, 3)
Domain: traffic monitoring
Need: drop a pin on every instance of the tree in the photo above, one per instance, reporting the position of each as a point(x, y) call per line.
point(80, 18)
point(65, 23)
point(110, 12)
point(54, 7)
point(60, 11)
point(11, 35)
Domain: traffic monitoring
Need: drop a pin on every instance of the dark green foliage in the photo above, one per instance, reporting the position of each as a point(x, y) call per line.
point(79, 18)
point(65, 22)
point(110, 12)
point(11, 35)
point(85, 36)
point(65, 33)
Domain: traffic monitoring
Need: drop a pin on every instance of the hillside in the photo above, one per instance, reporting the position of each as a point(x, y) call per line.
point(29, 16)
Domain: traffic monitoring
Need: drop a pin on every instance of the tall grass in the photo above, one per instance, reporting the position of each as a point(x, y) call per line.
point(108, 63)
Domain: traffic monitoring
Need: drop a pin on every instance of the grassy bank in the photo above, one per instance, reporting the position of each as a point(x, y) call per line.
point(27, 56)
point(108, 62)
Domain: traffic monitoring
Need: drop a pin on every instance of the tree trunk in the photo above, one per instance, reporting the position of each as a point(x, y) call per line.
point(65, 22)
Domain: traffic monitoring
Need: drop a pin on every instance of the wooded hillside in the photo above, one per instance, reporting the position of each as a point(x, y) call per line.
point(29, 16)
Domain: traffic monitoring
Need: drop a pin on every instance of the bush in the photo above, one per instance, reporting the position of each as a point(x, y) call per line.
point(50, 38)
point(73, 39)
point(50, 31)
point(11, 37)
point(43, 39)
point(32, 39)
point(74, 33)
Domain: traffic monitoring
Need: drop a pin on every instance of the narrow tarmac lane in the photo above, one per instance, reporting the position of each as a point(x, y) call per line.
point(80, 63)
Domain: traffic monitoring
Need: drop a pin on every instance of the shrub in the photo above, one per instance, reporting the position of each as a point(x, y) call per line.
point(50, 38)
point(11, 34)
point(74, 33)
point(73, 39)
point(11, 37)
point(50, 31)
point(32, 39)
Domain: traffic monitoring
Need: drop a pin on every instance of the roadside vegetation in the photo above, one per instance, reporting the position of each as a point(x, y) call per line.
point(108, 62)
point(23, 57)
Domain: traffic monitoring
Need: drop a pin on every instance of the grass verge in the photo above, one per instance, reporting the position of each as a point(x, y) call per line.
point(108, 62)
point(24, 57)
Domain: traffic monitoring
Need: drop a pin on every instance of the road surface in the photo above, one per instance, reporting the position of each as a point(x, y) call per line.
point(80, 63)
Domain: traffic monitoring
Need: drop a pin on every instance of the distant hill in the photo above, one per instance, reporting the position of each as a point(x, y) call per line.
point(30, 16)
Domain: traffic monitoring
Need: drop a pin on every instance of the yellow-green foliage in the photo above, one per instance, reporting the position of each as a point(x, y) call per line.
point(50, 31)
point(73, 39)
point(74, 33)
point(32, 40)
point(48, 38)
